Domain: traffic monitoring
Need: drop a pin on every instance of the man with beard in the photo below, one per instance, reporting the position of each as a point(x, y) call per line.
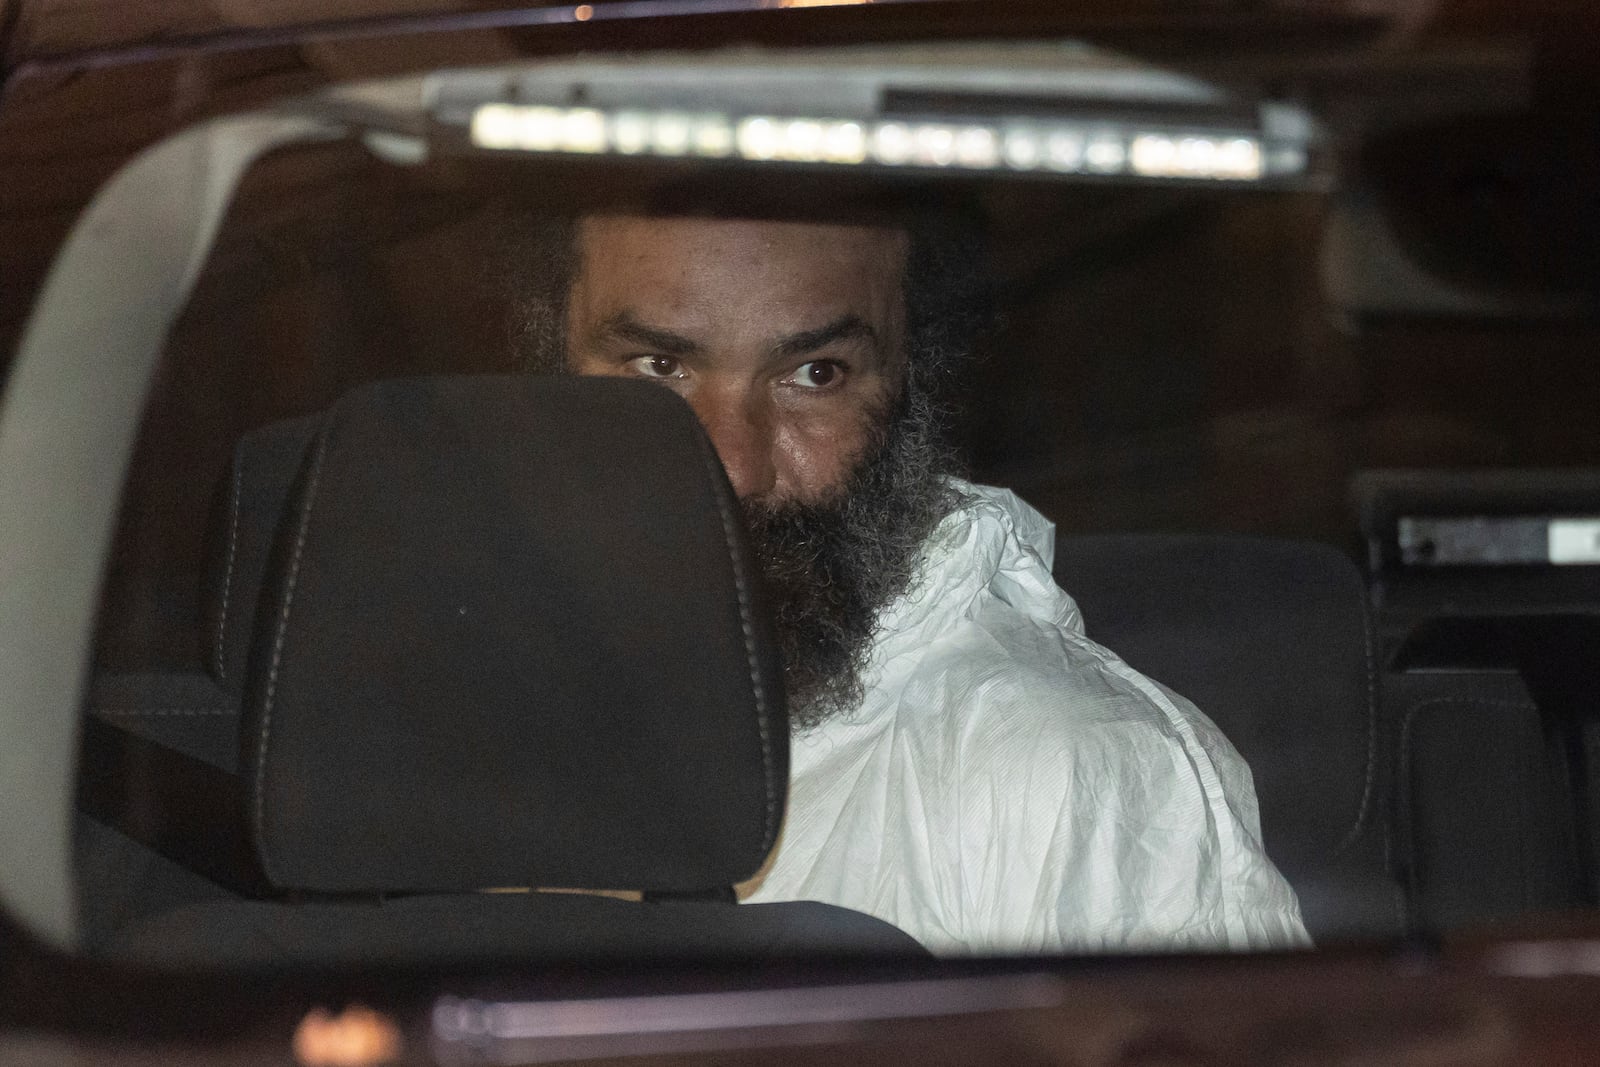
point(966, 764)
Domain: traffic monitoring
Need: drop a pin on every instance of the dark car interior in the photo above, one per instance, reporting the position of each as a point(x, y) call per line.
point(1414, 722)
point(1215, 616)
point(347, 663)
point(1320, 453)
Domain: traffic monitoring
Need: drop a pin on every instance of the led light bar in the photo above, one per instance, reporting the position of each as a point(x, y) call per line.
point(1020, 145)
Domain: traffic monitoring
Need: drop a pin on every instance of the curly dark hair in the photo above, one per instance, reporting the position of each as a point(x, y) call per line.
point(948, 292)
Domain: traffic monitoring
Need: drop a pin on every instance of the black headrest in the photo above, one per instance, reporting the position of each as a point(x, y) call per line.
point(510, 636)
point(244, 516)
point(1269, 638)
point(1272, 640)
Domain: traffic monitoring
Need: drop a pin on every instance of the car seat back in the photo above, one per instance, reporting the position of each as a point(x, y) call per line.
point(509, 638)
point(1489, 630)
point(1271, 640)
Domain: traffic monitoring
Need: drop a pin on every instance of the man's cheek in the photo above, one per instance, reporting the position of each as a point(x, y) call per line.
point(820, 462)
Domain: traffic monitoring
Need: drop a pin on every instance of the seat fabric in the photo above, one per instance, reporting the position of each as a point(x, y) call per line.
point(1488, 672)
point(466, 668)
point(1271, 640)
point(1484, 813)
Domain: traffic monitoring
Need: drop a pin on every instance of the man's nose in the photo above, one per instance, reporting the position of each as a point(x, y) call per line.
point(741, 431)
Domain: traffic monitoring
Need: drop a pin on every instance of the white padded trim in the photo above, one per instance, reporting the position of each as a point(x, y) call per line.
point(71, 413)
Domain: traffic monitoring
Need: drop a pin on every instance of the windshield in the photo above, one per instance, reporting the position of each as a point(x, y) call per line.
point(1101, 555)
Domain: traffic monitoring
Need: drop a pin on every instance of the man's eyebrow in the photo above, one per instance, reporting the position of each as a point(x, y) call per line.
point(623, 326)
point(847, 328)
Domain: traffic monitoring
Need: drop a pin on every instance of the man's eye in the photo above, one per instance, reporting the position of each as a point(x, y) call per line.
point(656, 367)
point(818, 374)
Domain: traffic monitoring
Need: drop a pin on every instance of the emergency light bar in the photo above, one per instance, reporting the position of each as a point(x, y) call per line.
point(1040, 109)
point(1020, 145)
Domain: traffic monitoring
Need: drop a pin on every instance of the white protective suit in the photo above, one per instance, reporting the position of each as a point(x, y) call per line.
point(1009, 786)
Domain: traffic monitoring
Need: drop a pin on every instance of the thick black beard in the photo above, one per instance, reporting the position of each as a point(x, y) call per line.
point(831, 567)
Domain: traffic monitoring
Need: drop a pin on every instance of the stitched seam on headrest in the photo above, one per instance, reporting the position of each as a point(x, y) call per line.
point(277, 653)
point(220, 657)
point(757, 690)
point(1363, 810)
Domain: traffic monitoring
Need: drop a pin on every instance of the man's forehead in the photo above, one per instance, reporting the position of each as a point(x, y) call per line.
point(739, 277)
